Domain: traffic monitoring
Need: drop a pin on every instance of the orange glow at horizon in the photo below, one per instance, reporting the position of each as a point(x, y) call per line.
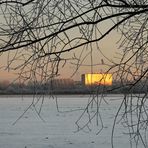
point(98, 79)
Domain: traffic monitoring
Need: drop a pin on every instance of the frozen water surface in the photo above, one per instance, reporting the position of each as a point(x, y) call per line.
point(56, 129)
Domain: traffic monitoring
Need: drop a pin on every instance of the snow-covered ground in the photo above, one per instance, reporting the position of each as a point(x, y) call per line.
point(56, 129)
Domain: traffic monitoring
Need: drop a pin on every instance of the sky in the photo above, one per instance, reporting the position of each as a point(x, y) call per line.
point(108, 47)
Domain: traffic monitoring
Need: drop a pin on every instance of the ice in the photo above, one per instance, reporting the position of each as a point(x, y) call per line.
point(56, 129)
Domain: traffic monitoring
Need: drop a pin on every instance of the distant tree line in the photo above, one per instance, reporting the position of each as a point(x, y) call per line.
point(67, 86)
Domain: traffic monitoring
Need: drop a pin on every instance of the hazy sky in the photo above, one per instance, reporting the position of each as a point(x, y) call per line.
point(108, 46)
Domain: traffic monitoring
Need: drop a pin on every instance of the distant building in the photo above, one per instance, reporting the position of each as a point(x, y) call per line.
point(97, 79)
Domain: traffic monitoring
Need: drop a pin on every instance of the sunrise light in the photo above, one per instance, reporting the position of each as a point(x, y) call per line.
point(97, 79)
